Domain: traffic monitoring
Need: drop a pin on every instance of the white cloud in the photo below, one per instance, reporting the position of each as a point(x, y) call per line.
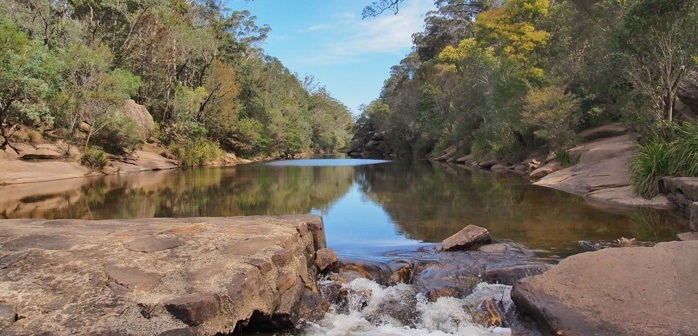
point(386, 33)
point(314, 28)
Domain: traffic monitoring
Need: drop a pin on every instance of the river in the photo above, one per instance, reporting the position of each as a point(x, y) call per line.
point(372, 209)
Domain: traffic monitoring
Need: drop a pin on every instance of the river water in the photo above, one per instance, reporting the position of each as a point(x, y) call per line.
point(372, 209)
point(369, 207)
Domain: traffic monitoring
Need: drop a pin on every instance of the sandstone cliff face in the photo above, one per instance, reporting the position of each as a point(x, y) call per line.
point(198, 276)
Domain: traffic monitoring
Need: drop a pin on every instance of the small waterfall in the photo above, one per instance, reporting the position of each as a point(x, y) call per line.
point(368, 309)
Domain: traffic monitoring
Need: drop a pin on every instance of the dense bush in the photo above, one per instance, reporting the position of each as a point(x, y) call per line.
point(677, 156)
point(119, 136)
point(196, 153)
point(95, 158)
point(217, 84)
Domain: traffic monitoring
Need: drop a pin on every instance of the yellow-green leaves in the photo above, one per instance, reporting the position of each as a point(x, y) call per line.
point(508, 33)
point(511, 30)
point(553, 113)
point(467, 49)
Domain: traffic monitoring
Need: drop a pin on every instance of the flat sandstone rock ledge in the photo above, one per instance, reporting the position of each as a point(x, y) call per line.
point(620, 291)
point(185, 276)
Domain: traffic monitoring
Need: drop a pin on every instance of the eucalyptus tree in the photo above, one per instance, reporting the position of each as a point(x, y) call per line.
point(29, 74)
point(660, 37)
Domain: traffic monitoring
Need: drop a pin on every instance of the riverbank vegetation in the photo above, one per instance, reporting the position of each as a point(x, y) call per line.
point(501, 79)
point(67, 67)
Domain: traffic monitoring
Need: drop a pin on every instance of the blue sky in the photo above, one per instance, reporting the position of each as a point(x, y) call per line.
point(328, 40)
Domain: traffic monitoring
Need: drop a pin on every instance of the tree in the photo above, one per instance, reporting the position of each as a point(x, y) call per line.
point(660, 38)
point(553, 113)
point(29, 74)
point(449, 24)
point(218, 112)
point(378, 7)
point(511, 31)
point(100, 107)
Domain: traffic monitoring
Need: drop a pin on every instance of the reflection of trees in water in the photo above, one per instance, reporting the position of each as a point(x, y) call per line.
point(246, 190)
point(430, 202)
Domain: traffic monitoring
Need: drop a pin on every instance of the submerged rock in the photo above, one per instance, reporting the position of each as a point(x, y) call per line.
point(469, 236)
point(510, 275)
point(589, 245)
point(623, 291)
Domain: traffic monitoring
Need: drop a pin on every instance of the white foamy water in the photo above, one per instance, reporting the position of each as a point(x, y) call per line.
point(367, 312)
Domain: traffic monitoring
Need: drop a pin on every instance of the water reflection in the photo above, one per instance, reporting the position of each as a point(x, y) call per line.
point(368, 208)
point(431, 202)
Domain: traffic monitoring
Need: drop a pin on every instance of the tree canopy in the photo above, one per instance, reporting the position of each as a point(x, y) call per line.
point(498, 79)
point(198, 68)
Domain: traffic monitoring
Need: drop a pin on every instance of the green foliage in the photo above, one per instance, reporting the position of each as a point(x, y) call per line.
point(553, 114)
point(530, 73)
point(196, 153)
point(648, 165)
point(197, 67)
point(659, 38)
point(29, 76)
point(684, 150)
point(563, 155)
point(95, 158)
point(247, 137)
point(118, 136)
point(657, 158)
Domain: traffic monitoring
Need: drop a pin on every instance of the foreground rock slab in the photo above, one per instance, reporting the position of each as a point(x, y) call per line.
point(623, 291)
point(198, 276)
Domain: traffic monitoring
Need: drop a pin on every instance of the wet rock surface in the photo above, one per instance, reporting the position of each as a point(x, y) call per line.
point(198, 276)
point(623, 291)
point(466, 238)
point(436, 273)
point(589, 245)
point(325, 259)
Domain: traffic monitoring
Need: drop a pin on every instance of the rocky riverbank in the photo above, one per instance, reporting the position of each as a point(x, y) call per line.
point(200, 276)
point(57, 161)
point(623, 291)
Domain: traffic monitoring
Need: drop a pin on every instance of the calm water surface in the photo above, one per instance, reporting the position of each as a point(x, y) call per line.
point(369, 207)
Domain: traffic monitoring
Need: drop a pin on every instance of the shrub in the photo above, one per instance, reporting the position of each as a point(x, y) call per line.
point(648, 165)
point(684, 151)
point(565, 157)
point(499, 141)
point(657, 158)
point(34, 136)
point(95, 158)
point(119, 136)
point(553, 114)
point(196, 152)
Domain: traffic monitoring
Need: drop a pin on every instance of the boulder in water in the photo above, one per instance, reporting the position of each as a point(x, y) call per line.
point(325, 259)
point(469, 236)
point(312, 306)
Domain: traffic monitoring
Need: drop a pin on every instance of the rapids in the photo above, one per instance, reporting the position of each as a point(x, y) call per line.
point(371, 309)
